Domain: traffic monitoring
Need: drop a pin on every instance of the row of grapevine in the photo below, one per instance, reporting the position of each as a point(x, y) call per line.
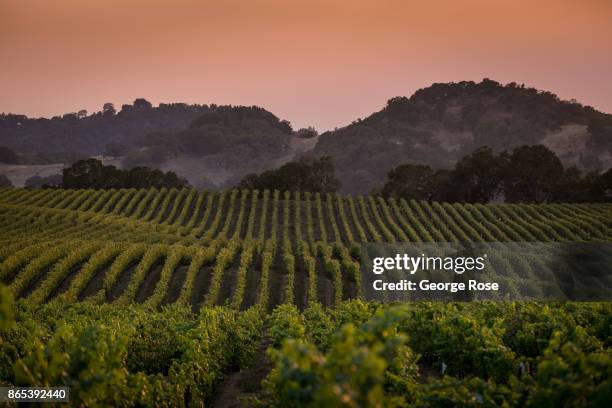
point(130, 256)
point(61, 269)
point(13, 263)
point(286, 252)
point(246, 258)
point(329, 219)
point(366, 219)
point(332, 269)
point(378, 219)
point(332, 219)
point(191, 222)
point(397, 231)
point(126, 199)
point(152, 256)
point(241, 214)
point(223, 260)
point(95, 264)
point(263, 218)
point(216, 218)
point(252, 214)
point(344, 220)
point(350, 267)
point(267, 258)
point(112, 202)
point(37, 266)
point(309, 268)
point(228, 216)
point(297, 216)
point(414, 230)
point(353, 210)
point(179, 197)
point(175, 256)
point(309, 223)
point(181, 218)
point(153, 205)
point(319, 210)
point(200, 257)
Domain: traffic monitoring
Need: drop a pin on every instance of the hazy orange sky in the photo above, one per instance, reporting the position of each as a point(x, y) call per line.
point(317, 62)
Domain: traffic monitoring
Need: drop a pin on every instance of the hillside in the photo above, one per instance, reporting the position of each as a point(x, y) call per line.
point(444, 122)
point(214, 146)
point(62, 138)
point(219, 146)
point(208, 145)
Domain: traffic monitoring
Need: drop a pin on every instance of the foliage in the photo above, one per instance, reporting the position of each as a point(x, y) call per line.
point(370, 359)
point(440, 124)
point(54, 180)
point(65, 254)
point(531, 175)
point(91, 173)
point(111, 356)
point(306, 174)
point(5, 181)
point(410, 181)
point(6, 308)
point(8, 156)
point(528, 174)
point(355, 371)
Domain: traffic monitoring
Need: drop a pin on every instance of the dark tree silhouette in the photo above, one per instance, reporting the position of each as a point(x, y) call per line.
point(108, 109)
point(54, 180)
point(476, 178)
point(4, 181)
point(306, 174)
point(531, 174)
point(91, 173)
point(410, 181)
point(8, 156)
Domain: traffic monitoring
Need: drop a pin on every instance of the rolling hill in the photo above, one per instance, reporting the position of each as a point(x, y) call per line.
point(444, 122)
point(214, 146)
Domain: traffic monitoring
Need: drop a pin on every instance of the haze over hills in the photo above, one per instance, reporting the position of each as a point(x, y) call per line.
point(210, 145)
point(215, 146)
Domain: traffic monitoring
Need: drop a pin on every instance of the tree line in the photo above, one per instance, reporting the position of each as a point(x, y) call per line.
point(527, 174)
point(306, 174)
point(91, 173)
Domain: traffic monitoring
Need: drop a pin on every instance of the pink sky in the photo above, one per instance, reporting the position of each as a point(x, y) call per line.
point(313, 62)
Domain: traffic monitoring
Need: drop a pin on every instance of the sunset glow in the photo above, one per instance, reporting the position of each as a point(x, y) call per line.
point(319, 62)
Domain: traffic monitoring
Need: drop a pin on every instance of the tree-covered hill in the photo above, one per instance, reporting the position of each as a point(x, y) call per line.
point(214, 146)
point(444, 122)
point(207, 144)
point(194, 130)
point(75, 135)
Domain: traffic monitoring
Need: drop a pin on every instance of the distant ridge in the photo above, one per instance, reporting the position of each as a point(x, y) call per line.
point(216, 145)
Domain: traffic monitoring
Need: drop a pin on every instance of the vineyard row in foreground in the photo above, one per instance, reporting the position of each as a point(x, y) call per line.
point(354, 355)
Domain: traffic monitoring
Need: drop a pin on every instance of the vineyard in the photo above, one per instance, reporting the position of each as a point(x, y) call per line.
point(239, 248)
point(170, 290)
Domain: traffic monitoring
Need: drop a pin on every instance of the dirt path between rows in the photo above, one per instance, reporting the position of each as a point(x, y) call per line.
point(239, 388)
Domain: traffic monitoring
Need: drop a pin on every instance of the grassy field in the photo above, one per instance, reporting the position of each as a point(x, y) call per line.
point(185, 290)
